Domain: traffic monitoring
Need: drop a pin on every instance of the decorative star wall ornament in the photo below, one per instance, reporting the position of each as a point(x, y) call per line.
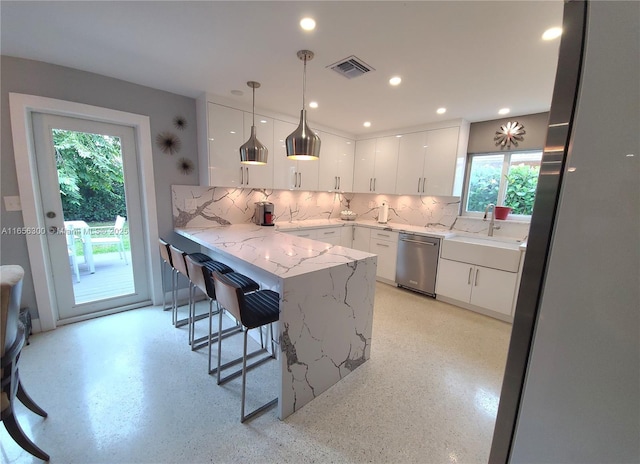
point(509, 133)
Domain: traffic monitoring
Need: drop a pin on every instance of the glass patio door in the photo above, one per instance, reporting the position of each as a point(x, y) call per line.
point(90, 199)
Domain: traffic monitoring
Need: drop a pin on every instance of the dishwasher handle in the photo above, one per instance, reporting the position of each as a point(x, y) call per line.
point(418, 241)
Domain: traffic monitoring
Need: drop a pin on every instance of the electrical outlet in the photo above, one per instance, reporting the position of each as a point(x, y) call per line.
point(12, 203)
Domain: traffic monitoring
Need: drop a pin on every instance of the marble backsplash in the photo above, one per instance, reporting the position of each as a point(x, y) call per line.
point(195, 206)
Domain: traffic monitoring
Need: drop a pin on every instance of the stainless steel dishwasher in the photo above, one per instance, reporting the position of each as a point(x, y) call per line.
point(417, 262)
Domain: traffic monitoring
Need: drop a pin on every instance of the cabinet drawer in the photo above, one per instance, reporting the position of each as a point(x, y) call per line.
point(387, 235)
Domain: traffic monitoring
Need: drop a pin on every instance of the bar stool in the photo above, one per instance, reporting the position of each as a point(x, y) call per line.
point(180, 267)
point(200, 275)
point(165, 256)
point(253, 310)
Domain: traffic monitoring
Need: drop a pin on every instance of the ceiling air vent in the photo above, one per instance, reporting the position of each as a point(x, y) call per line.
point(351, 67)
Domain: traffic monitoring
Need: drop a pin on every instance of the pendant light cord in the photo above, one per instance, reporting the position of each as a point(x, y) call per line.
point(304, 82)
point(253, 118)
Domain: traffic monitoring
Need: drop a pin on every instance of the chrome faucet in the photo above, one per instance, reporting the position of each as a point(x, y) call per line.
point(492, 222)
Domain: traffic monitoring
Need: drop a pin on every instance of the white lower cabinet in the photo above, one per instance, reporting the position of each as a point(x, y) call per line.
point(329, 235)
point(361, 238)
point(477, 285)
point(385, 245)
point(306, 233)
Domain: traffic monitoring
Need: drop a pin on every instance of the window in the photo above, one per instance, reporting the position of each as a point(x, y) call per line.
point(508, 179)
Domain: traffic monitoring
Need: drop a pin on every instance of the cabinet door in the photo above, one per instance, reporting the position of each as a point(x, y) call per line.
point(329, 235)
point(454, 279)
point(328, 162)
point(226, 133)
point(493, 289)
point(387, 252)
point(308, 171)
point(346, 236)
point(284, 170)
point(364, 165)
point(346, 156)
point(361, 238)
point(260, 176)
point(410, 163)
point(440, 161)
point(386, 164)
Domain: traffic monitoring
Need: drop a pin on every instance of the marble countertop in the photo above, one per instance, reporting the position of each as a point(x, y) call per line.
point(319, 223)
point(280, 254)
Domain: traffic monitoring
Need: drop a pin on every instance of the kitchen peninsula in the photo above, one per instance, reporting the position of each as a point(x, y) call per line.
point(326, 302)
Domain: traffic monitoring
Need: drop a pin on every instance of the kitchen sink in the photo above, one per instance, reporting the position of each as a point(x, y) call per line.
point(494, 252)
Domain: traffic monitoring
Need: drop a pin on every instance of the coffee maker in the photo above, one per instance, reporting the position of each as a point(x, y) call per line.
point(264, 213)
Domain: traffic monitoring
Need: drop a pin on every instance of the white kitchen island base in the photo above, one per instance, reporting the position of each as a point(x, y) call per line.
point(326, 302)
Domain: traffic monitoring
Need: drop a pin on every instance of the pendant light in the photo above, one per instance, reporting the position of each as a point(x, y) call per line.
point(303, 143)
point(253, 152)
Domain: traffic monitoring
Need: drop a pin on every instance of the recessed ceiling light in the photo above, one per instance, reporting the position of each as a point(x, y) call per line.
point(313, 104)
point(504, 111)
point(238, 93)
point(552, 33)
point(367, 124)
point(263, 121)
point(441, 110)
point(398, 136)
point(308, 24)
point(395, 80)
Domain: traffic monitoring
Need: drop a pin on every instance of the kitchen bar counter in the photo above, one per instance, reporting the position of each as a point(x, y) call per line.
point(326, 302)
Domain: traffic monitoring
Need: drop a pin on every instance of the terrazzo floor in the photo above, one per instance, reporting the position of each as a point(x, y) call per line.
point(126, 388)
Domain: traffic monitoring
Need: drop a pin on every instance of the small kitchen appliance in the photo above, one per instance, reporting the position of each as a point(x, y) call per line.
point(264, 213)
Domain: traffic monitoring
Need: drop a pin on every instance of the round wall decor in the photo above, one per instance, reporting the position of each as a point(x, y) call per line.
point(509, 133)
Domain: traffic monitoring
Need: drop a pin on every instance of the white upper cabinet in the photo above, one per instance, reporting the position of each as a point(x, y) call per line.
point(260, 176)
point(375, 166)
point(411, 163)
point(290, 174)
point(228, 129)
point(440, 161)
point(427, 162)
point(336, 163)
point(225, 135)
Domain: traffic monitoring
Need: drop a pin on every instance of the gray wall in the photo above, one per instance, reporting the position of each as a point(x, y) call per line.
point(581, 401)
point(481, 133)
point(46, 80)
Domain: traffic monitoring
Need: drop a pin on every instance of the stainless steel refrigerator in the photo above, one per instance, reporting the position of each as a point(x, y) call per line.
point(571, 391)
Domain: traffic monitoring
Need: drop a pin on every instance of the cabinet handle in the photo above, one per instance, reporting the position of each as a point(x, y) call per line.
point(374, 184)
point(424, 182)
point(299, 179)
point(370, 182)
point(247, 168)
point(339, 182)
point(330, 232)
point(419, 179)
point(382, 245)
point(469, 278)
point(382, 235)
point(241, 175)
point(475, 282)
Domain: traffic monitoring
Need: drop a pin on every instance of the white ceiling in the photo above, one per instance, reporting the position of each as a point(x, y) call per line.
point(470, 57)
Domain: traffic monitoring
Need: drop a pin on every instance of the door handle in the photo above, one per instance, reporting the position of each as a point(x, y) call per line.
point(370, 181)
point(424, 182)
point(469, 278)
point(475, 282)
point(247, 168)
point(419, 179)
point(417, 241)
point(374, 184)
point(241, 176)
point(299, 179)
